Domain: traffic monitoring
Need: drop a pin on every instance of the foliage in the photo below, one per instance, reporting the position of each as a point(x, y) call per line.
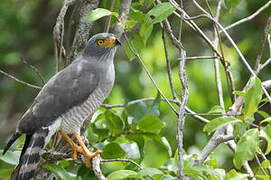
point(145, 132)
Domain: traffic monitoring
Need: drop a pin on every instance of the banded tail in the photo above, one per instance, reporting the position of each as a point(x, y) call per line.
point(30, 154)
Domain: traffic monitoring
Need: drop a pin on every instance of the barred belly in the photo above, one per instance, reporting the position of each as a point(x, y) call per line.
point(73, 119)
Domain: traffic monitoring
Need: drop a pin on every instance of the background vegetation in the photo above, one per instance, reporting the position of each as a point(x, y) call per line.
point(145, 131)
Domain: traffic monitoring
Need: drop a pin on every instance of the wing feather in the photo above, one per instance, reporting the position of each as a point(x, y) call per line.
point(68, 88)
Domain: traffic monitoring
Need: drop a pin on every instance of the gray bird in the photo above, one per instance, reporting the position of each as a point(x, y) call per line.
point(65, 102)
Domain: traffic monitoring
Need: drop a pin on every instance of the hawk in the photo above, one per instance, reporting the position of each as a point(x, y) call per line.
point(65, 102)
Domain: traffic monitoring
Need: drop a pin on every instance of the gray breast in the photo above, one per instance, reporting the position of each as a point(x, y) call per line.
point(73, 119)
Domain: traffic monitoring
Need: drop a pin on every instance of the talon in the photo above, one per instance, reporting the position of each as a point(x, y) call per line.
point(85, 151)
point(81, 148)
point(75, 148)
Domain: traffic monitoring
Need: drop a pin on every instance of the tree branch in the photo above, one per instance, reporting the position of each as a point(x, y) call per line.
point(212, 144)
point(58, 32)
point(124, 10)
point(182, 115)
point(19, 81)
point(256, 13)
point(82, 32)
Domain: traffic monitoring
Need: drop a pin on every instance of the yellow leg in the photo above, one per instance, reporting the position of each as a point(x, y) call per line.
point(75, 148)
point(88, 155)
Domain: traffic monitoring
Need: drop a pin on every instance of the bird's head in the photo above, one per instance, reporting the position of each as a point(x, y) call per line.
point(101, 44)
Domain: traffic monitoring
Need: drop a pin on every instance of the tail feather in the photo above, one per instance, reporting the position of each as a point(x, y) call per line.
point(31, 155)
point(11, 141)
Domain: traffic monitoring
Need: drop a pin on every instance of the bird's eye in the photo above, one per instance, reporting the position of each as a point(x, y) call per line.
point(100, 42)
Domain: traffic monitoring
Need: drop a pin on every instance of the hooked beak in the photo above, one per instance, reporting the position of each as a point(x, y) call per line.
point(118, 42)
point(111, 42)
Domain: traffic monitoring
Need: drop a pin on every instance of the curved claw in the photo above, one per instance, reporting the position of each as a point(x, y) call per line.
point(81, 148)
point(87, 154)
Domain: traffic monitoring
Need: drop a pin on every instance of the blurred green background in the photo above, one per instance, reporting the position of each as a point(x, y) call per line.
point(26, 35)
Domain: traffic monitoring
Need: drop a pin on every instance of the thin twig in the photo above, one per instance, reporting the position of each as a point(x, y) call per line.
point(124, 10)
point(108, 20)
point(58, 32)
point(249, 17)
point(194, 26)
point(174, 40)
point(201, 57)
point(122, 160)
point(182, 115)
point(258, 66)
point(216, 61)
point(109, 106)
point(267, 84)
point(196, 116)
point(214, 142)
point(259, 164)
point(189, 111)
point(169, 72)
point(19, 81)
point(245, 62)
point(264, 158)
point(148, 73)
point(268, 61)
point(35, 70)
point(96, 166)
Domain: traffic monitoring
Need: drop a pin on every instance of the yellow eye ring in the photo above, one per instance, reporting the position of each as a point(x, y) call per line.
point(100, 42)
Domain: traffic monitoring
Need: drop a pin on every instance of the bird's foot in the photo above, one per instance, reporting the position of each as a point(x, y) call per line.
point(75, 148)
point(81, 148)
point(89, 156)
point(85, 151)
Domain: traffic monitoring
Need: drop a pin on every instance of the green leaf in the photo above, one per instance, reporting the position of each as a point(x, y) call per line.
point(113, 150)
point(136, 43)
point(84, 173)
point(231, 4)
point(234, 175)
point(266, 164)
point(155, 153)
point(11, 58)
point(141, 110)
point(11, 157)
point(128, 51)
point(131, 149)
point(263, 114)
point(267, 120)
point(58, 171)
point(216, 109)
point(239, 129)
point(160, 12)
point(168, 177)
point(219, 122)
point(122, 174)
point(145, 31)
point(262, 177)
point(149, 172)
point(114, 123)
point(202, 172)
point(137, 15)
point(5, 173)
point(252, 98)
point(266, 133)
point(150, 123)
point(154, 109)
point(98, 13)
point(239, 93)
point(246, 147)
